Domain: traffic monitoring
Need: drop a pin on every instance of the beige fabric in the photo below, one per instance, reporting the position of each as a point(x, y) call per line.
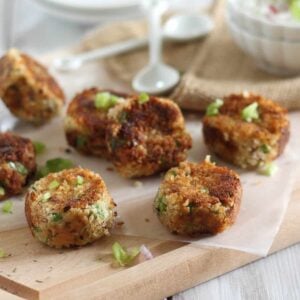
point(211, 67)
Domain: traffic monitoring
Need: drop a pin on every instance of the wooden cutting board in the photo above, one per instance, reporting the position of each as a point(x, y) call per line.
point(34, 271)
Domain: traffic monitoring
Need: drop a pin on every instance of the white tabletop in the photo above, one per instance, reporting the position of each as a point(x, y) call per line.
point(275, 277)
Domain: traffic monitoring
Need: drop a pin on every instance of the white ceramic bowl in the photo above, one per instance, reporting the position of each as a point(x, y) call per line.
point(277, 57)
point(261, 26)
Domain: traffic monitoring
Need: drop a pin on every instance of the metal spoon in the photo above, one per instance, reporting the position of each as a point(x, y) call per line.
point(175, 29)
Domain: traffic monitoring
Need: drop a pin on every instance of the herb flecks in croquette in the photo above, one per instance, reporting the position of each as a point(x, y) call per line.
point(81, 141)
point(250, 112)
point(202, 198)
point(56, 217)
point(46, 197)
point(213, 108)
point(265, 148)
point(54, 184)
point(20, 168)
point(79, 180)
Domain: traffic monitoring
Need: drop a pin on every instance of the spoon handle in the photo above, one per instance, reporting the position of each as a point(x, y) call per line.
point(114, 49)
point(155, 36)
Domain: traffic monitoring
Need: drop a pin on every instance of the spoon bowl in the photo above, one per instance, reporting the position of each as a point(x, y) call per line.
point(156, 79)
point(187, 27)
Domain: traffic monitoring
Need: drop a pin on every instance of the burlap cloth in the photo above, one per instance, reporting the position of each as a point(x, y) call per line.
point(211, 67)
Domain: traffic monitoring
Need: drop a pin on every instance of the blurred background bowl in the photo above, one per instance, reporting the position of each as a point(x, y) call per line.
point(280, 57)
point(259, 25)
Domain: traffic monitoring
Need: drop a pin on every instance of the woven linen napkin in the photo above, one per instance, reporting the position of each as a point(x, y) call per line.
point(211, 67)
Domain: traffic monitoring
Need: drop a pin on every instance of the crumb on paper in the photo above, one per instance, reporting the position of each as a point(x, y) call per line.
point(137, 183)
point(68, 150)
point(120, 223)
point(111, 169)
point(14, 270)
point(147, 220)
point(39, 281)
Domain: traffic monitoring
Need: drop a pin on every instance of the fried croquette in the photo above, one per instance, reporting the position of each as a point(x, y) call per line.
point(248, 130)
point(69, 208)
point(198, 198)
point(27, 89)
point(86, 121)
point(17, 163)
point(147, 135)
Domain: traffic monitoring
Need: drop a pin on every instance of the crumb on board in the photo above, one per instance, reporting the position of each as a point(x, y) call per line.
point(137, 183)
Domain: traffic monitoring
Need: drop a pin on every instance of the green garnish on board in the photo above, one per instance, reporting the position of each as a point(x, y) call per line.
point(20, 168)
point(268, 169)
point(7, 207)
point(122, 256)
point(143, 98)
point(54, 165)
point(39, 147)
point(105, 100)
point(2, 191)
point(250, 112)
point(213, 108)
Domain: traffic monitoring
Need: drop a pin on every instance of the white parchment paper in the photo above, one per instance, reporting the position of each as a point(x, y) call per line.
point(264, 199)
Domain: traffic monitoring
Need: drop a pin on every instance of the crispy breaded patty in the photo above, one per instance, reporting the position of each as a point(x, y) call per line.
point(86, 124)
point(196, 198)
point(146, 137)
point(27, 89)
point(243, 143)
point(69, 208)
point(17, 163)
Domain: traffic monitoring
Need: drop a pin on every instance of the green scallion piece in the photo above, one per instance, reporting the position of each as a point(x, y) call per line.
point(265, 148)
point(7, 207)
point(79, 180)
point(269, 169)
point(250, 112)
point(105, 100)
point(122, 256)
point(46, 197)
point(54, 165)
point(143, 98)
point(53, 185)
point(213, 108)
point(3, 253)
point(20, 168)
point(39, 147)
point(295, 9)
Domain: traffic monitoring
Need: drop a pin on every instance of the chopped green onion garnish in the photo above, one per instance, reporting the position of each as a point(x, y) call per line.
point(46, 197)
point(56, 217)
point(105, 100)
point(18, 167)
point(79, 180)
point(269, 169)
point(213, 108)
point(143, 98)
point(54, 165)
point(2, 191)
point(122, 256)
point(3, 253)
point(53, 185)
point(250, 112)
point(39, 147)
point(295, 9)
point(265, 148)
point(122, 116)
point(7, 207)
